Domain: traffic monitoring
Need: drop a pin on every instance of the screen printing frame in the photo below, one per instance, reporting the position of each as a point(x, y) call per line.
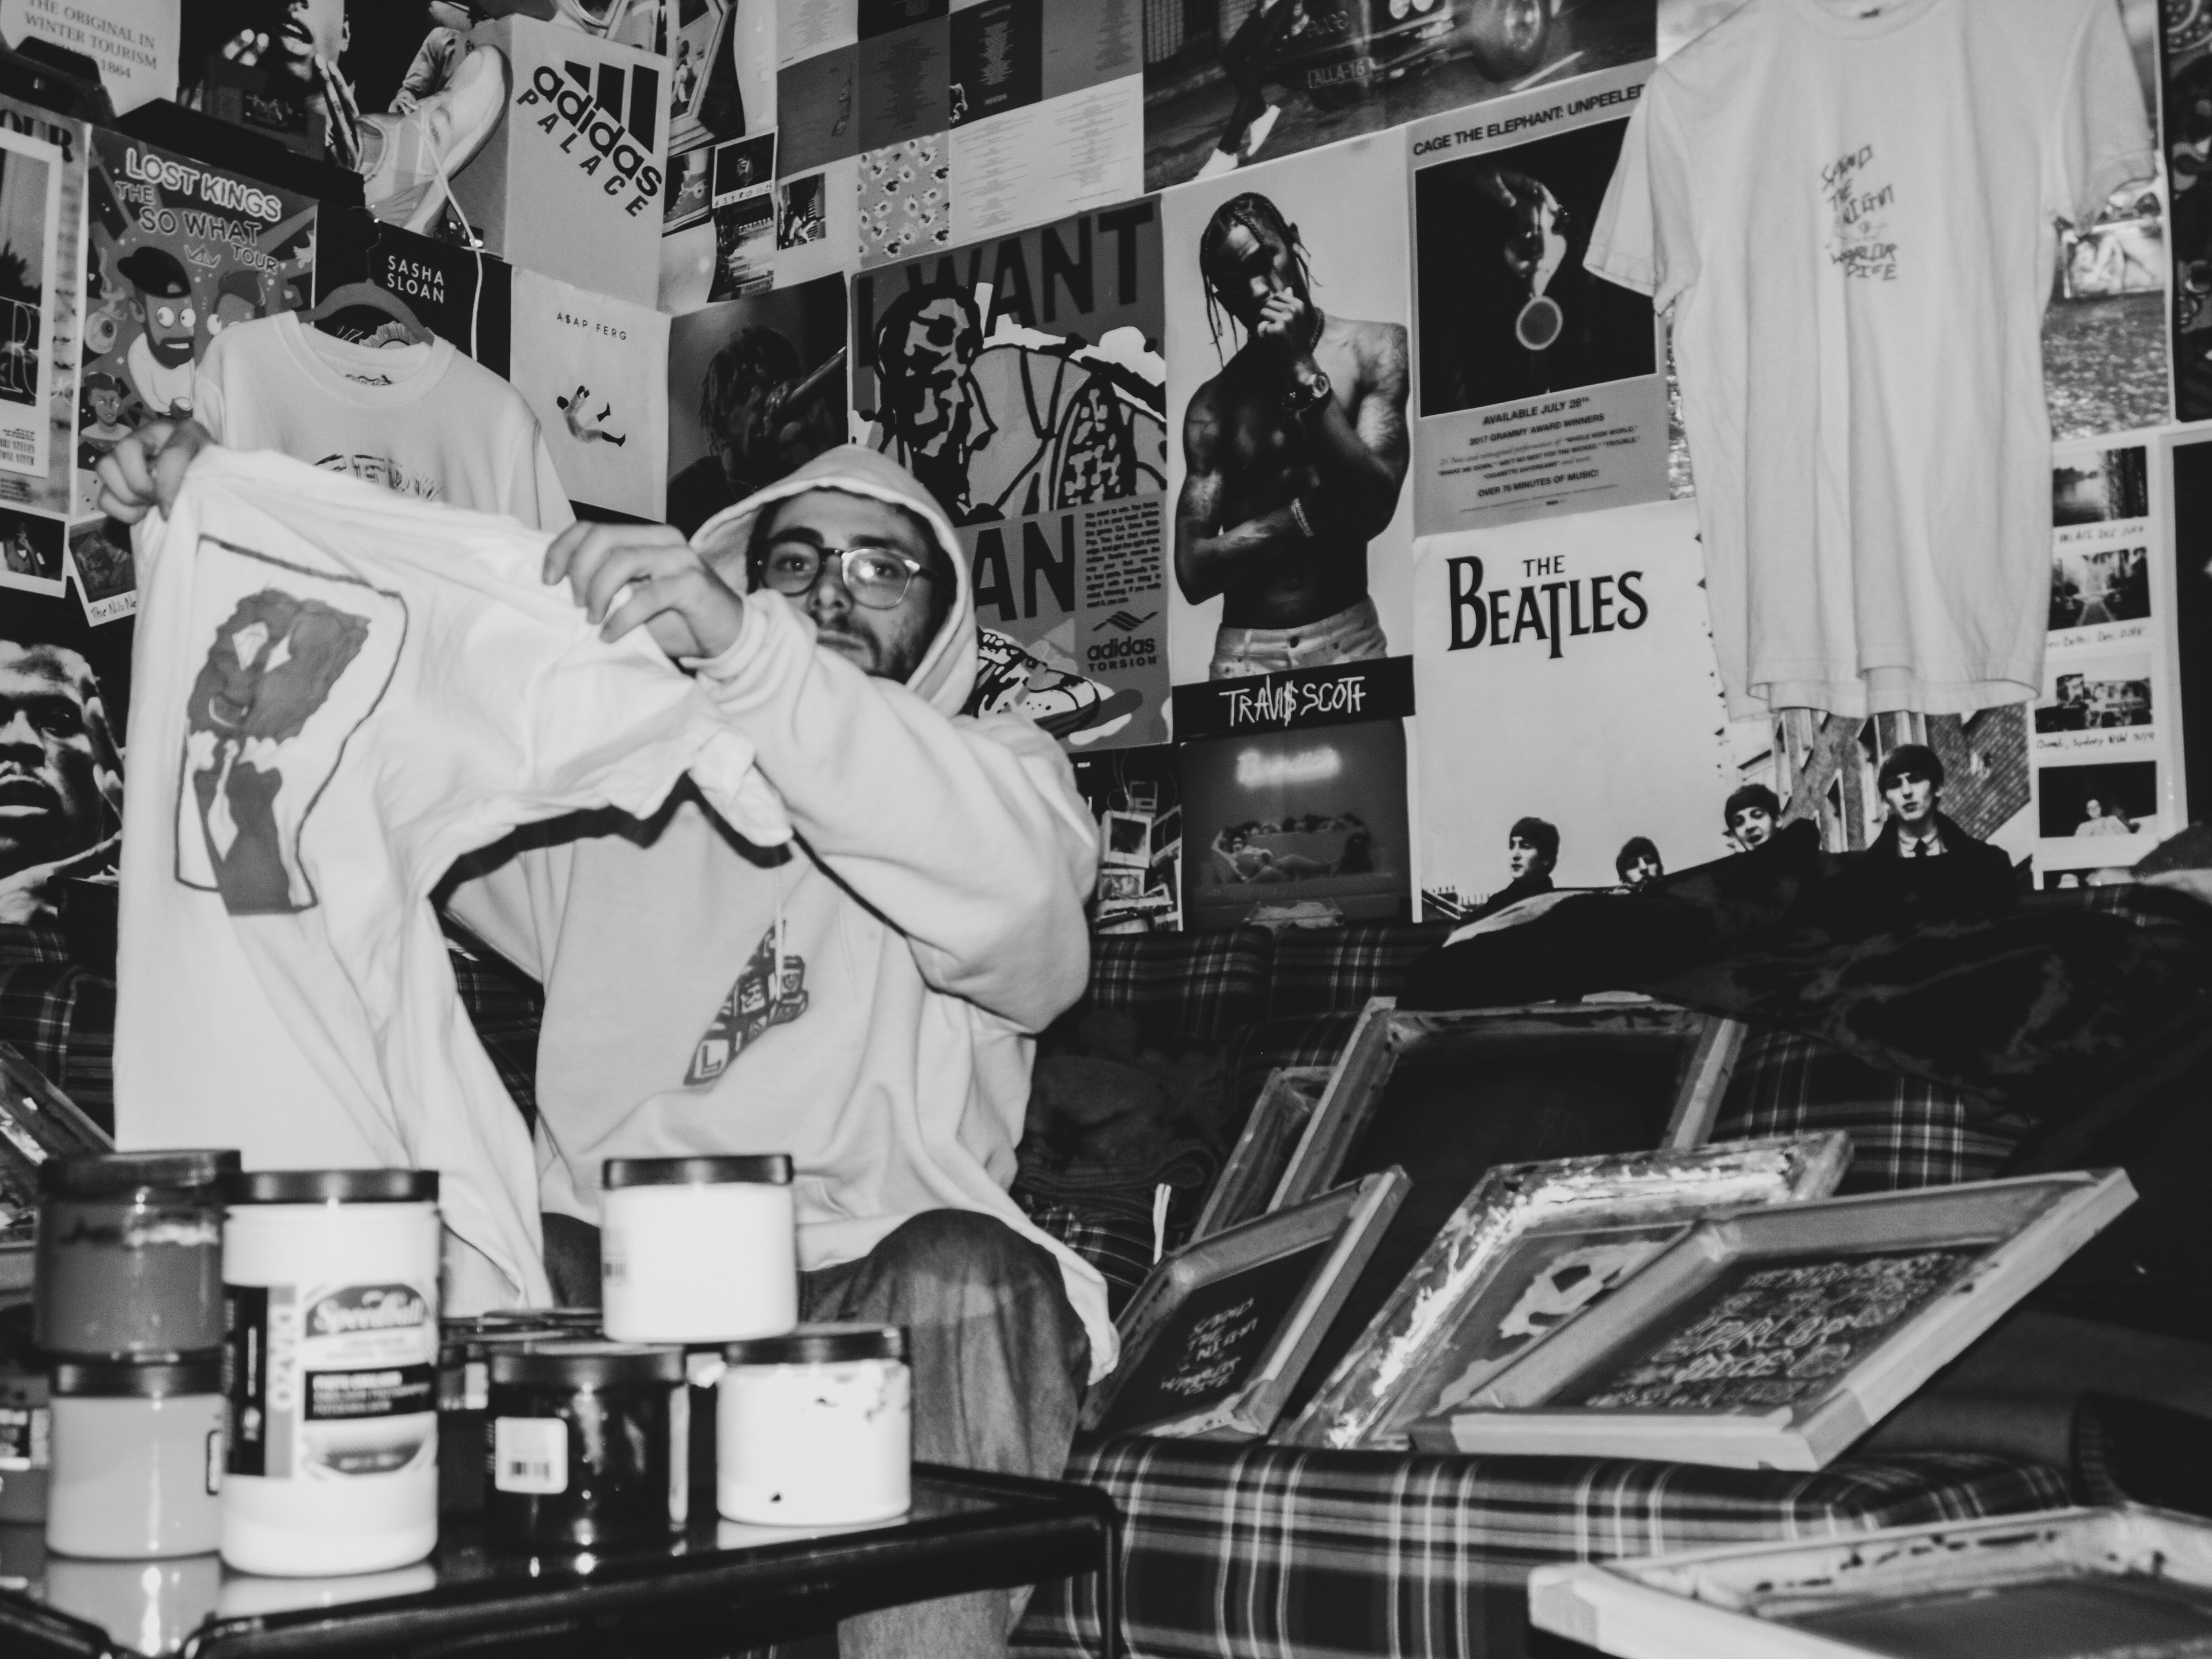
point(2025, 1229)
point(1723, 1603)
point(1351, 1220)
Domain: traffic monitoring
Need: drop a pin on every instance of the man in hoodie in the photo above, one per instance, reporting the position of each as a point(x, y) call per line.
point(863, 999)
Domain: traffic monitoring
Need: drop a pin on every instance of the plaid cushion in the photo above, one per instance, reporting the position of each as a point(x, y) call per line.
point(1119, 1247)
point(1242, 1551)
point(59, 1016)
point(1327, 970)
point(1202, 985)
point(505, 1006)
point(1905, 1132)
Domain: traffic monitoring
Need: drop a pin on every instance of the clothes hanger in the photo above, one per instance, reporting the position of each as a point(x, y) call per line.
point(367, 296)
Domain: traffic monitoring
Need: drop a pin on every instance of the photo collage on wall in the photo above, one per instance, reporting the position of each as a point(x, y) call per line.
point(1321, 498)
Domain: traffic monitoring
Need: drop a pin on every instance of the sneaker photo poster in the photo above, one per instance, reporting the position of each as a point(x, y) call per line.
point(1020, 379)
point(178, 252)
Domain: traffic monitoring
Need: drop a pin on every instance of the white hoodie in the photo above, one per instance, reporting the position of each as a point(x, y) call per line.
point(930, 920)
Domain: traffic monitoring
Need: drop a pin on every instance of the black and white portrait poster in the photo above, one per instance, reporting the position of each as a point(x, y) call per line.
point(594, 370)
point(2110, 696)
point(1021, 379)
point(1565, 674)
point(1229, 83)
point(755, 389)
point(1540, 389)
point(1287, 303)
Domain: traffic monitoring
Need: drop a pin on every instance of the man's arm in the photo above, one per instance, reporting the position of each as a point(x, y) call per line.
point(966, 836)
point(1207, 563)
point(1362, 459)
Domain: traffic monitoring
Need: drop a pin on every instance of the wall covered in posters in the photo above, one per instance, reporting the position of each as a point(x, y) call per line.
point(1021, 380)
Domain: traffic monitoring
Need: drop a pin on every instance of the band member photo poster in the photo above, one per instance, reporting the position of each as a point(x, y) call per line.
point(1288, 390)
point(1020, 379)
point(1540, 387)
point(1565, 672)
point(755, 389)
point(1229, 83)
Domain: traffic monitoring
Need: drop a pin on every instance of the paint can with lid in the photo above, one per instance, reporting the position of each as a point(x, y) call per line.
point(330, 1293)
point(588, 1447)
point(463, 1392)
point(130, 1254)
point(137, 1458)
point(697, 1249)
point(816, 1427)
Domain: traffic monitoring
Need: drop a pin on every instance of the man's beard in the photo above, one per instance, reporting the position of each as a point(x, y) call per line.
point(170, 354)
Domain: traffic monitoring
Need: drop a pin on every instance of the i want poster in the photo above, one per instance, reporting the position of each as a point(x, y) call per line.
point(1021, 379)
point(1540, 387)
point(1566, 673)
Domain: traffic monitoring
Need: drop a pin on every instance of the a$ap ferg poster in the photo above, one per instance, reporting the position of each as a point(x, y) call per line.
point(1565, 672)
point(1021, 380)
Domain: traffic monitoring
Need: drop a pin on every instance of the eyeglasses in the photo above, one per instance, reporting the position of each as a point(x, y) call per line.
point(876, 576)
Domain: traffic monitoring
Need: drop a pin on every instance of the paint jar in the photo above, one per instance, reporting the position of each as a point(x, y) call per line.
point(331, 1292)
point(816, 1427)
point(463, 1392)
point(589, 1447)
point(25, 1440)
point(130, 1254)
point(137, 1458)
point(697, 1249)
point(146, 1607)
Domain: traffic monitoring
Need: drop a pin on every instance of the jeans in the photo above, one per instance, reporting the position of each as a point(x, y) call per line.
point(1352, 635)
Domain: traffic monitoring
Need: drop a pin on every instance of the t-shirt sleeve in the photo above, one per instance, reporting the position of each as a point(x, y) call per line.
point(532, 491)
point(208, 399)
point(1644, 239)
point(2102, 140)
point(554, 512)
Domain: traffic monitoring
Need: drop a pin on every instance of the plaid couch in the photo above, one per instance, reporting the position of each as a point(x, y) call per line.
point(1237, 1552)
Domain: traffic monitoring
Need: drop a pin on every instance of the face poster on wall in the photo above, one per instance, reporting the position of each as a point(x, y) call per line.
point(1287, 398)
point(1021, 380)
point(594, 371)
point(59, 840)
point(1227, 82)
point(178, 251)
point(2103, 741)
point(1538, 388)
point(1572, 721)
point(756, 387)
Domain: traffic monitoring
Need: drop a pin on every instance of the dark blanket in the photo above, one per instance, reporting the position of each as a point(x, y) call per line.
point(2028, 1006)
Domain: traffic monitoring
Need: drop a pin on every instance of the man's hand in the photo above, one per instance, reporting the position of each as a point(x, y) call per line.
point(1285, 330)
point(688, 610)
point(146, 469)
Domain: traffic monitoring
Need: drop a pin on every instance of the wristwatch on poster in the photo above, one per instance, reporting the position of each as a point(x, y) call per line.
point(1309, 393)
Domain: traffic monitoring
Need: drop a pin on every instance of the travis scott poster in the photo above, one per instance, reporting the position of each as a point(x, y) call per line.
point(1540, 387)
point(1291, 623)
point(1566, 675)
point(1021, 379)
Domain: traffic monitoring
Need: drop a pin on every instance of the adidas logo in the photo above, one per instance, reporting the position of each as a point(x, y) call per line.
point(613, 115)
point(1125, 621)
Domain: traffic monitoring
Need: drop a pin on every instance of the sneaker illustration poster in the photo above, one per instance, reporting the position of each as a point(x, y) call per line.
point(177, 251)
point(594, 370)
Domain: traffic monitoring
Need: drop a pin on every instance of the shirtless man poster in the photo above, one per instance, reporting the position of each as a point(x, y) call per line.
point(1294, 455)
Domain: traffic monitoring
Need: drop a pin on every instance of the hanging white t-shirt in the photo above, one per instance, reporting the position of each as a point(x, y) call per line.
point(423, 421)
point(1850, 207)
point(335, 693)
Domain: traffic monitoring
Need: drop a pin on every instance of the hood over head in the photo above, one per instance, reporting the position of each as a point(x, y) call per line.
point(946, 673)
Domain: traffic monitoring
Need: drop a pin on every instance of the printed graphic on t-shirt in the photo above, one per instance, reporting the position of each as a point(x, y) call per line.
point(295, 660)
point(761, 997)
point(1860, 243)
point(382, 470)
